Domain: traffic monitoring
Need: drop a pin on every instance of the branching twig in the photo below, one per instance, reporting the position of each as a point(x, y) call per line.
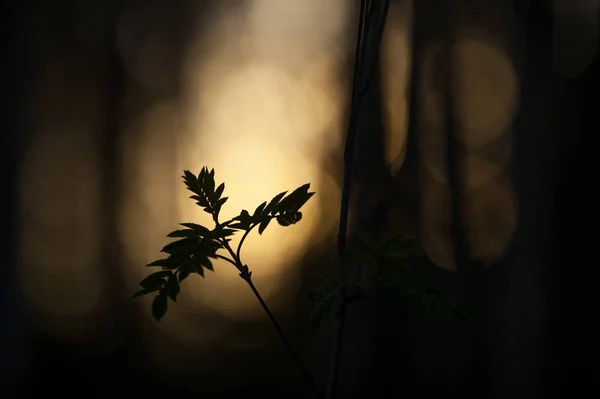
point(246, 275)
point(197, 244)
point(239, 248)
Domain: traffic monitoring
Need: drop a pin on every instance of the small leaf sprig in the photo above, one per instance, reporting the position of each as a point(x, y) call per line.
point(198, 245)
point(371, 271)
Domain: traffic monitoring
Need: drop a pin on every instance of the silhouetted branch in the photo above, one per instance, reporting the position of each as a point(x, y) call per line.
point(247, 277)
point(358, 91)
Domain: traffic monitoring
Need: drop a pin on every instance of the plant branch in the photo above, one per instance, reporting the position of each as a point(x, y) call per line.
point(234, 258)
point(246, 276)
point(345, 205)
point(239, 248)
point(358, 92)
point(191, 245)
point(371, 72)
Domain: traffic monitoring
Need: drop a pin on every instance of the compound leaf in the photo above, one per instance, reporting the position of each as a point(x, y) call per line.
point(198, 228)
point(159, 306)
point(172, 287)
point(145, 291)
point(156, 279)
point(165, 263)
point(183, 233)
point(263, 225)
point(272, 207)
point(258, 212)
point(218, 192)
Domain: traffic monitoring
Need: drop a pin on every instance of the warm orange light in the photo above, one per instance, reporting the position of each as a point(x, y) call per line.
point(396, 58)
point(263, 105)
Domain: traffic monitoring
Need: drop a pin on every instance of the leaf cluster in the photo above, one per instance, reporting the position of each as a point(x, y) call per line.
point(370, 271)
point(196, 245)
point(285, 209)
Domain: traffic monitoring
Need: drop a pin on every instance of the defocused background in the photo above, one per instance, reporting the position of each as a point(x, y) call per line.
point(474, 136)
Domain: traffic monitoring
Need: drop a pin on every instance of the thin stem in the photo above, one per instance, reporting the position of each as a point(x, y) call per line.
point(345, 205)
point(235, 261)
point(308, 379)
point(358, 92)
point(239, 248)
point(371, 72)
point(246, 275)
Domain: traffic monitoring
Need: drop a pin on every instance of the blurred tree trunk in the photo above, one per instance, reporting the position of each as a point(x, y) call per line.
point(577, 219)
point(522, 312)
point(112, 78)
point(444, 26)
point(14, 348)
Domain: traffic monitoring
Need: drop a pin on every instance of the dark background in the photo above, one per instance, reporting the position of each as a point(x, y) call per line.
point(534, 333)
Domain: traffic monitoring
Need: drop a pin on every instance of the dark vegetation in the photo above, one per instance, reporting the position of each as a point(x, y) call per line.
point(546, 277)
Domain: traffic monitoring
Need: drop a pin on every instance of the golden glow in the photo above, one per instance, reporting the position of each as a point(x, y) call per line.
point(252, 167)
point(262, 104)
point(292, 31)
point(264, 120)
point(395, 64)
point(148, 212)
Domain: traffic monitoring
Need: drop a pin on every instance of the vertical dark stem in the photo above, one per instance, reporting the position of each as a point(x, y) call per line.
point(14, 344)
point(345, 202)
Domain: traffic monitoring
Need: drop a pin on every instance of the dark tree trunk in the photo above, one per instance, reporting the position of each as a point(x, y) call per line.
point(14, 340)
point(524, 301)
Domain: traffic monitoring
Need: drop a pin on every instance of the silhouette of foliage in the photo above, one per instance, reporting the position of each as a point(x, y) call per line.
point(366, 270)
point(370, 271)
point(198, 245)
